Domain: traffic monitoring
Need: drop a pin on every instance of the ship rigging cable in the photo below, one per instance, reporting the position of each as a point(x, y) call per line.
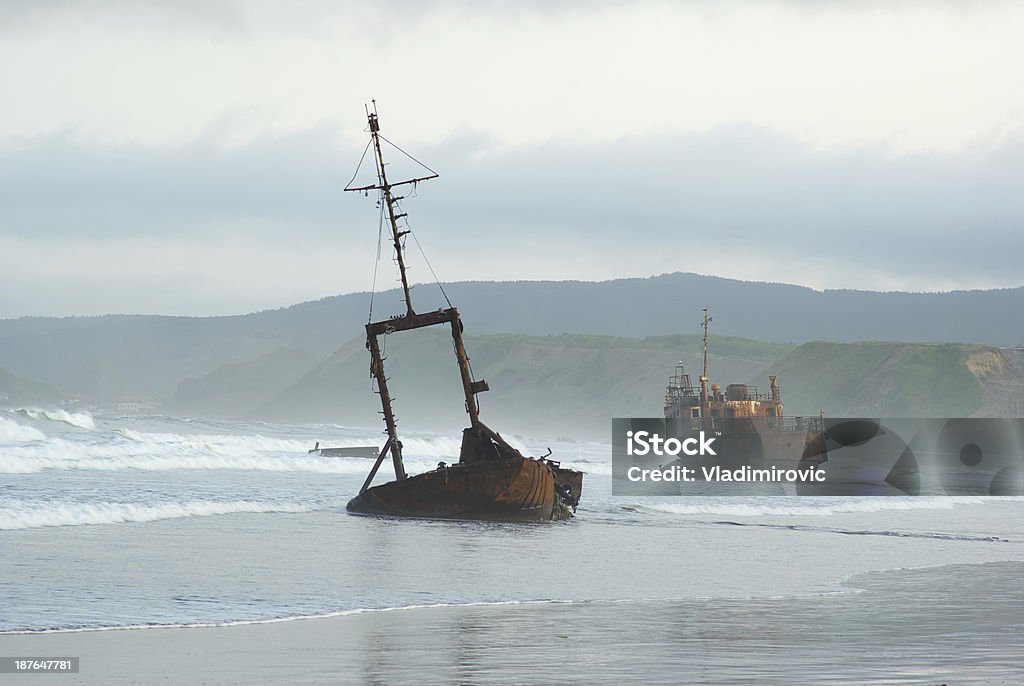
point(380, 228)
point(406, 154)
point(429, 266)
point(376, 263)
point(359, 166)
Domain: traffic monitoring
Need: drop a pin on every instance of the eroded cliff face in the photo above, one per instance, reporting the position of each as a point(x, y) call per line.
point(988, 365)
point(1001, 373)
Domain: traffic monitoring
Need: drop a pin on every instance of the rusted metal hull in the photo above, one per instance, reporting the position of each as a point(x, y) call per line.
point(570, 483)
point(753, 440)
point(512, 489)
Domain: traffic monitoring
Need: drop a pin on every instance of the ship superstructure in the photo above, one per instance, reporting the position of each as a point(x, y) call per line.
point(752, 422)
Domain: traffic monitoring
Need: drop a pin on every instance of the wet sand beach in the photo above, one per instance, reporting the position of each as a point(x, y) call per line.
point(957, 624)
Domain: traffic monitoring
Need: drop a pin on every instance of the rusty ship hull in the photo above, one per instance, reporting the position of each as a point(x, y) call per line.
point(749, 428)
point(513, 489)
point(783, 441)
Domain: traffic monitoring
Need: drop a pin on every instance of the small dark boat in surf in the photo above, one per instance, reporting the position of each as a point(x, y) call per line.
point(367, 451)
point(492, 480)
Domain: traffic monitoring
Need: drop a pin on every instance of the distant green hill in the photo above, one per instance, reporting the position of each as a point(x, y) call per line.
point(237, 388)
point(15, 390)
point(574, 384)
point(880, 379)
point(550, 385)
point(117, 357)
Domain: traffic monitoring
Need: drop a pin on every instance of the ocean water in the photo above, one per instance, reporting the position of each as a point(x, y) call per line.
point(111, 522)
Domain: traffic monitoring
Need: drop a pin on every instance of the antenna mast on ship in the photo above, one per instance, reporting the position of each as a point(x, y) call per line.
point(384, 187)
point(705, 405)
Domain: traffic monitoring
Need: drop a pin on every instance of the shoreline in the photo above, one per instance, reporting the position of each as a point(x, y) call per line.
point(911, 621)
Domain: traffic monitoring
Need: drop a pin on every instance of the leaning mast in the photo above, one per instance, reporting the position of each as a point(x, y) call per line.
point(410, 320)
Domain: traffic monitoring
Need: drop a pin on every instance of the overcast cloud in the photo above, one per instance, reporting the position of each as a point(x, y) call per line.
point(188, 158)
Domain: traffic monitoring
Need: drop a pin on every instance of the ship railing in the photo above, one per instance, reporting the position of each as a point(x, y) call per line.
point(684, 398)
point(740, 424)
point(801, 423)
point(750, 394)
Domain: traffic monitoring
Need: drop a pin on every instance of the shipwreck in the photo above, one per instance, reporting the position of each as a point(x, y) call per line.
point(748, 425)
point(492, 480)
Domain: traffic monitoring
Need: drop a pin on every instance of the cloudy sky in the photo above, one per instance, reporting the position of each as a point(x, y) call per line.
point(188, 157)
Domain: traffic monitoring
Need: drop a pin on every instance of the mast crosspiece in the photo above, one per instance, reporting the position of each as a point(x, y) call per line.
point(389, 201)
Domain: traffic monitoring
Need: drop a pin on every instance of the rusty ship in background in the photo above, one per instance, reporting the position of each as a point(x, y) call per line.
point(492, 480)
point(748, 426)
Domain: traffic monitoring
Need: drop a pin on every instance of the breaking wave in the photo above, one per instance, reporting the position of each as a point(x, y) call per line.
point(83, 420)
point(13, 432)
point(27, 449)
point(212, 444)
point(586, 466)
point(30, 451)
point(821, 506)
point(32, 515)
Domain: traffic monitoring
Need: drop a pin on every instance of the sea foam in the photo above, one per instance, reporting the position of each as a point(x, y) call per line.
point(12, 432)
point(31, 515)
point(83, 420)
point(819, 507)
point(28, 450)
